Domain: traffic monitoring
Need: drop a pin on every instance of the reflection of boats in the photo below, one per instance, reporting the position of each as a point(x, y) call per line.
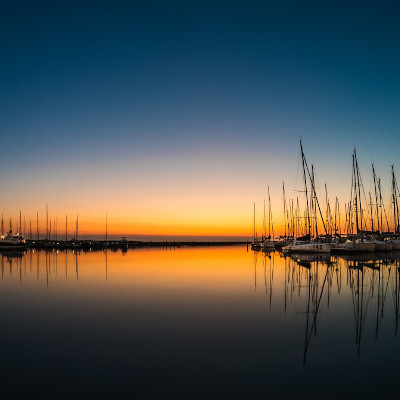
point(315, 296)
point(12, 241)
point(359, 258)
point(308, 258)
point(12, 253)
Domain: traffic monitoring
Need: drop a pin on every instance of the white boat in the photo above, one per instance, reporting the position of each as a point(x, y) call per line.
point(355, 246)
point(268, 245)
point(12, 241)
point(312, 247)
point(384, 245)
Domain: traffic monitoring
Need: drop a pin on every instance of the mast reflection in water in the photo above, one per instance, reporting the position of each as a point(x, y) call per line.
point(197, 322)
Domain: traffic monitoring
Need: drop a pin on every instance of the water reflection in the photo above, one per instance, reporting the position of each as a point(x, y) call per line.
point(310, 280)
point(220, 318)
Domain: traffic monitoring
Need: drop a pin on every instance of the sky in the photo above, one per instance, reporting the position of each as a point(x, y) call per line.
point(174, 117)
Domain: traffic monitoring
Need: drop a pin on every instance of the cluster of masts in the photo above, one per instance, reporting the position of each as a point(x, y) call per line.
point(365, 228)
point(33, 231)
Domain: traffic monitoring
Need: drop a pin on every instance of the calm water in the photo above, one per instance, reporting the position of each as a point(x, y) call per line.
point(198, 322)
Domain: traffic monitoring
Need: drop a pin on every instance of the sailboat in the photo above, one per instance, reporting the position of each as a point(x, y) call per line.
point(359, 242)
point(395, 239)
point(256, 245)
point(268, 244)
point(284, 240)
point(309, 244)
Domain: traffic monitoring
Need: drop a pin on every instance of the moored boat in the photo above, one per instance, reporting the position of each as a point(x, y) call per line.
point(383, 245)
point(311, 247)
point(355, 246)
point(12, 241)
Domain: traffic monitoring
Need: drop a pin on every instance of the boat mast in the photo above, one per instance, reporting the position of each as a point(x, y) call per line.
point(305, 167)
point(354, 181)
point(284, 207)
point(359, 183)
point(395, 204)
point(106, 228)
point(377, 205)
point(269, 215)
point(47, 223)
point(383, 206)
point(308, 227)
point(372, 215)
point(254, 223)
point(314, 202)
point(264, 228)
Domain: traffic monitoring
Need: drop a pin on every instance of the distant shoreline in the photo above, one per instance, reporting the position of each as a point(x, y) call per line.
point(125, 245)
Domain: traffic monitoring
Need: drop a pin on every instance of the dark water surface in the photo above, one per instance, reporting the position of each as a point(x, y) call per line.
point(198, 322)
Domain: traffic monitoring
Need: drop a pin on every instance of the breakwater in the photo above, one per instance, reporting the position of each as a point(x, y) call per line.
point(121, 244)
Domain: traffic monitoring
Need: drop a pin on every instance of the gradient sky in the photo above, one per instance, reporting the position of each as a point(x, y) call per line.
point(175, 116)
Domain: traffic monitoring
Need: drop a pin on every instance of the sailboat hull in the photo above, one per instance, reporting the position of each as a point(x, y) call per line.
point(383, 245)
point(395, 244)
point(351, 247)
point(308, 248)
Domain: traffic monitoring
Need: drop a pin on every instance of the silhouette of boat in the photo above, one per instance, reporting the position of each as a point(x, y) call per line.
point(12, 241)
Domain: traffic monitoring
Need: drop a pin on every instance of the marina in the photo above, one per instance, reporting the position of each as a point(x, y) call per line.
point(368, 226)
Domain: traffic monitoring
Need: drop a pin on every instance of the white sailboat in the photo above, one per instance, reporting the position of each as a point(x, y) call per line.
point(313, 245)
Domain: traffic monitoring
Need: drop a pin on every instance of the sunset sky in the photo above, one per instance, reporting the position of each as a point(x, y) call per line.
point(174, 117)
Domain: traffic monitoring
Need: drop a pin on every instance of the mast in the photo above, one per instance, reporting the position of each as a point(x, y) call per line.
point(335, 226)
point(2, 224)
point(284, 207)
point(66, 228)
point(382, 206)
point(354, 181)
point(20, 222)
point(37, 225)
point(254, 223)
point(305, 167)
point(314, 202)
point(30, 229)
point(379, 223)
point(269, 215)
point(396, 217)
point(372, 215)
point(308, 230)
point(358, 187)
point(264, 228)
point(106, 228)
point(47, 223)
point(77, 220)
